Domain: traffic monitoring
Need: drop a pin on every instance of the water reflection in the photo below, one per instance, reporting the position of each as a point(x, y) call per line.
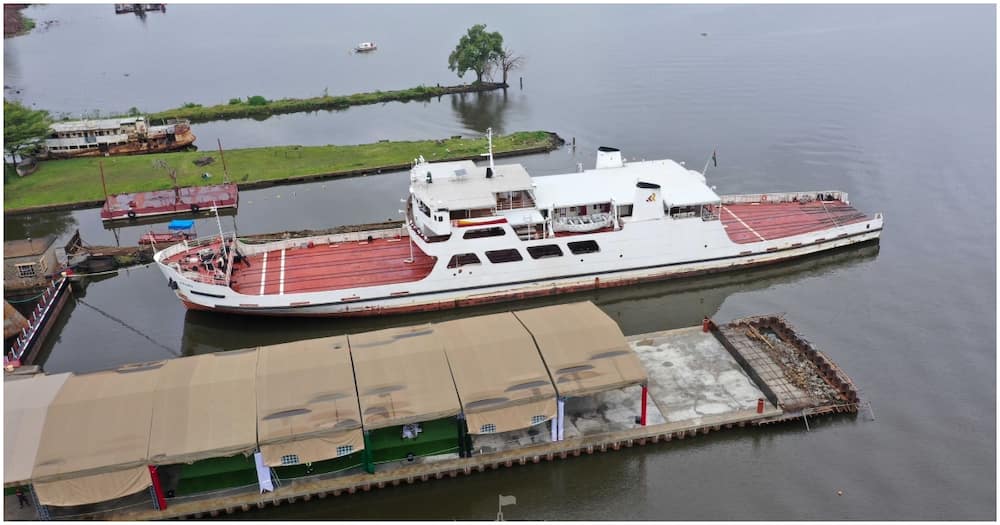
point(36, 225)
point(637, 309)
point(478, 111)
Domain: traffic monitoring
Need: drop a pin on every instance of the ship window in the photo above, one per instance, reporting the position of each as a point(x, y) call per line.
point(502, 256)
point(289, 459)
point(546, 250)
point(26, 270)
point(463, 259)
point(583, 247)
point(488, 428)
point(344, 450)
point(495, 231)
point(625, 210)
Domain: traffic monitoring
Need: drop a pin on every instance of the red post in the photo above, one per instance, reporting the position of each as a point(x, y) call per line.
point(706, 324)
point(642, 418)
point(760, 405)
point(155, 476)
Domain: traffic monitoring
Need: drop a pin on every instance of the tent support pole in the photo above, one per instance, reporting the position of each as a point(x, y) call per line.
point(369, 463)
point(159, 502)
point(642, 418)
point(42, 510)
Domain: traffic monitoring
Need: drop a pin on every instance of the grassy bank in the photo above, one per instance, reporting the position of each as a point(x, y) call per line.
point(260, 107)
point(61, 183)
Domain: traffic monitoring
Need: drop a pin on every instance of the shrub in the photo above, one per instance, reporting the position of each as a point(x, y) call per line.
point(235, 101)
point(191, 105)
point(257, 100)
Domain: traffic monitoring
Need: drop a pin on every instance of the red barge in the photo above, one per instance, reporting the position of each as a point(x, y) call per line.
point(175, 201)
point(190, 199)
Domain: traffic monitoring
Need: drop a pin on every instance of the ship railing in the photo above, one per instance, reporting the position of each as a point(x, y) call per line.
point(798, 196)
point(246, 248)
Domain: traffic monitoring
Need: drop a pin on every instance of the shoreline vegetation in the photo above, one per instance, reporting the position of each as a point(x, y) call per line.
point(76, 183)
point(258, 107)
point(14, 22)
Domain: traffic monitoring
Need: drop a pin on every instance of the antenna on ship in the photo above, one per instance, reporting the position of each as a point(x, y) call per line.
point(489, 142)
point(711, 159)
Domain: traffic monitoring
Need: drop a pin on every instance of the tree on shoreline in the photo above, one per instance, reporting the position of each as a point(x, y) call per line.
point(508, 61)
point(476, 51)
point(23, 129)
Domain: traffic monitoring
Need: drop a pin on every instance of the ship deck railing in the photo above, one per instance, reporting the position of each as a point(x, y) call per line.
point(795, 196)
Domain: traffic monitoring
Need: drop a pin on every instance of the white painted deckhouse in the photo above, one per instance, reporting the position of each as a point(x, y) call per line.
point(481, 234)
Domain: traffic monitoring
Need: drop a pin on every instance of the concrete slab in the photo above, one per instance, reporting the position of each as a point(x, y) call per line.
point(608, 412)
point(692, 376)
point(14, 512)
point(488, 443)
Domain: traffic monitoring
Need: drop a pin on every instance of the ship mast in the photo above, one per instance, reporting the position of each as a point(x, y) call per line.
point(225, 171)
point(103, 183)
point(489, 140)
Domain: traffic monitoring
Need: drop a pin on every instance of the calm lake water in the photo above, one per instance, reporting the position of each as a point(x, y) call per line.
point(894, 104)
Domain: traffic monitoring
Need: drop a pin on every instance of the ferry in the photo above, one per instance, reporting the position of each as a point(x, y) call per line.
point(483, 234)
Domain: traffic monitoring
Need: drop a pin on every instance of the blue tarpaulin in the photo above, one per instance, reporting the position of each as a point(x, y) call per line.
point(181, 224)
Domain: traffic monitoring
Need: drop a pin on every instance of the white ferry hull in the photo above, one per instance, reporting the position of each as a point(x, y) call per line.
point(435, 293)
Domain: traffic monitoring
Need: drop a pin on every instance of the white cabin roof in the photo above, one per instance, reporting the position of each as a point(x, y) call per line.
point(90, 125)
point(679, 185)
point(463, 186)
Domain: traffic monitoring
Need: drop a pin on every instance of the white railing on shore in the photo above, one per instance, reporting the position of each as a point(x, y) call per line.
point(37, 319)
point(798, 196)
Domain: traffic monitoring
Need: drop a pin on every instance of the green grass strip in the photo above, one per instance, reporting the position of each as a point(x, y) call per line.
point(259, 107)
point(78, 181)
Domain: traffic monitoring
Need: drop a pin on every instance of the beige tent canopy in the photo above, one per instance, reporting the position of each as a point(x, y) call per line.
point(204, 407)
point(307, 407)
point(402, 376)
point(502, 382)
point(583, 348)
point(25, 402)
point(96, 436)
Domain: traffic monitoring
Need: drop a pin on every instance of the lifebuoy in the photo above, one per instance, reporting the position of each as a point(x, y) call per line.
point(763, 198)
point(131, 214)
point(195, 208)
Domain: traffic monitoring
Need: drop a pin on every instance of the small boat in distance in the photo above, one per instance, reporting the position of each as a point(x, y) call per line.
point(364, 47)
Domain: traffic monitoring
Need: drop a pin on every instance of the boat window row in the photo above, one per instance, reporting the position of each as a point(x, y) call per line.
point(97, 133)
point(495, 231)
point(543, 251)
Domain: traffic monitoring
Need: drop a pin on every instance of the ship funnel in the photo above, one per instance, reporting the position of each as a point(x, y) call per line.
point(609, 158)
point(648, 203)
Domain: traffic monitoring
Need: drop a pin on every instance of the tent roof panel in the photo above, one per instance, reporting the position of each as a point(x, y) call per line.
point(98, 422)
point(305, 389)
point(25, 403)
point(204, 407)
point(495, 362)
point(402, 376)
point(583, 348)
